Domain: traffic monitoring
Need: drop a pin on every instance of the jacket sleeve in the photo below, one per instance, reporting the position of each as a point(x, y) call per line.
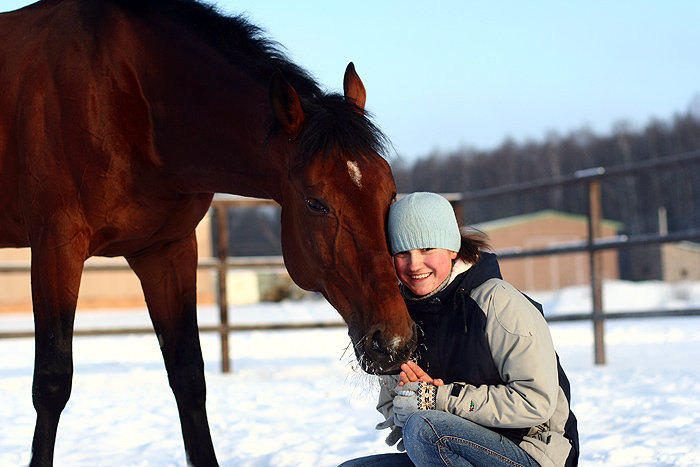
point(385, 406)
point(385, 403)
point(523, 352)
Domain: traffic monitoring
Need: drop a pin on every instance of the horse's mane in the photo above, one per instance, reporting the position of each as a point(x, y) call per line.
point(240, 41)
point(331, 125)
point(332, 122)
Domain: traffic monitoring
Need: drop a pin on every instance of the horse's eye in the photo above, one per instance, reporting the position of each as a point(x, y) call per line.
point(317, 206)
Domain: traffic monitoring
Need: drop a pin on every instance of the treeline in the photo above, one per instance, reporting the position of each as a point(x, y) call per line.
point(633, 200)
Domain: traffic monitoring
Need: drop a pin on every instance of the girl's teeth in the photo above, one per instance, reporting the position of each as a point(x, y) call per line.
point(419, 276)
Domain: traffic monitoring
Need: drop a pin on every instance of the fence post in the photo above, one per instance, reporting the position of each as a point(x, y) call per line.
point(222, 270)
point(596, 271)
point(459, 215)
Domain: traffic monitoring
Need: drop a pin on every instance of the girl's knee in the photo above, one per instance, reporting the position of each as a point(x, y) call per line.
point(421, 439)
point(419, 427)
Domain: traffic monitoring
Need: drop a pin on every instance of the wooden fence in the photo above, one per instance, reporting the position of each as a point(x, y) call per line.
point(593, 246)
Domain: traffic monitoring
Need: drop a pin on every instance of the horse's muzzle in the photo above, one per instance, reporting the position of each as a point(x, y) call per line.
point(380, 353)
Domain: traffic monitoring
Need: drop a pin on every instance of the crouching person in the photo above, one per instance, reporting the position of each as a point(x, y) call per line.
point(485, 387)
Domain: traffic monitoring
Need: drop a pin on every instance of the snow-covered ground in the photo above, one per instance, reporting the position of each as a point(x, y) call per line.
point(296, 399)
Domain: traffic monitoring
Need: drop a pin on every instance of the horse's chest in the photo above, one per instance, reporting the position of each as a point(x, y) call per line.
point(140, 225)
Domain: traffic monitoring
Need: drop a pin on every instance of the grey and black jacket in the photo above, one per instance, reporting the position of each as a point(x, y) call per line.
point(491, 346)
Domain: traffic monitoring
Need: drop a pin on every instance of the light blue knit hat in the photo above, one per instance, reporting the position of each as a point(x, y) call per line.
point(423, 220)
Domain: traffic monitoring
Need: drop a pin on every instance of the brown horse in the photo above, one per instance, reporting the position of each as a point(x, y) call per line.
point(120, 119)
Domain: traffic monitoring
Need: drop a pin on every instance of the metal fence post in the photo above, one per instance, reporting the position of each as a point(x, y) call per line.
point(596, 270)
point(222, 270)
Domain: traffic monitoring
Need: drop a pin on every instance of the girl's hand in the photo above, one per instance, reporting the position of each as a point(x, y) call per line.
point(410, 371)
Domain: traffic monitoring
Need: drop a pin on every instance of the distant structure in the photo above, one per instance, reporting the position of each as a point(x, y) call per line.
point(546, 229)
point(669, 262)
point(121, 289)
point(100, 289)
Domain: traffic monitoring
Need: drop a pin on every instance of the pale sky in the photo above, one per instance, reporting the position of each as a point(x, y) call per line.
point(446, 74)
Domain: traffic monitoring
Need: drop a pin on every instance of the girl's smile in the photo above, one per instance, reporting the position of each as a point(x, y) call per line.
point(423, 270)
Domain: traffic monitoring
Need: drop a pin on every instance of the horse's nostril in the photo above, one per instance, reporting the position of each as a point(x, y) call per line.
point(383, 352)
point(376, 343)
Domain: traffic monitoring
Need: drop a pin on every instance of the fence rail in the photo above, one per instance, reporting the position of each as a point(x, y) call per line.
point(593, 246)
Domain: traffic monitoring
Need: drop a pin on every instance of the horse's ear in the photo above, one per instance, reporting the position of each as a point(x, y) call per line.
point(286, 106)
point(353, 88)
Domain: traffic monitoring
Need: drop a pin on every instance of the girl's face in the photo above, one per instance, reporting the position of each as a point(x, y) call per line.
point(422, 271)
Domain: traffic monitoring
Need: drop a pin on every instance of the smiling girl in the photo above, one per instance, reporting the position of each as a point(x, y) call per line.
point(485, 386)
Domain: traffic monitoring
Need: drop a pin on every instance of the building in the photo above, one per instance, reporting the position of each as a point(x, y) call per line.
point(100, 289)
point(547, 229)
point(680, 261)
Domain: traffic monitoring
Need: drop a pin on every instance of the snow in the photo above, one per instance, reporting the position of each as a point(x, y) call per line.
point(295, 398)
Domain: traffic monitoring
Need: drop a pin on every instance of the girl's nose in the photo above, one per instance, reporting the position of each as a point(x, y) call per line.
point(415, 259)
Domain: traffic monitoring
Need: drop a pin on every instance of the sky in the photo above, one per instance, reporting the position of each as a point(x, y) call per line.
point(461, 73)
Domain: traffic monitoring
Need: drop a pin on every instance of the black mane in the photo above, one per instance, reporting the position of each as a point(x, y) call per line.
point(240, 41)
point(332, 122)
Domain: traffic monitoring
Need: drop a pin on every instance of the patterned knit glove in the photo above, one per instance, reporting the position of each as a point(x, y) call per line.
point(412, 397)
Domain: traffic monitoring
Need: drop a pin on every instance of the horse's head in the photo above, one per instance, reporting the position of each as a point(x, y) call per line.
point(334, 208)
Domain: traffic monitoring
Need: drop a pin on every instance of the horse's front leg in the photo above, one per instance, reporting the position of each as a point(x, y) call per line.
point(168, 277)
point(56, 272)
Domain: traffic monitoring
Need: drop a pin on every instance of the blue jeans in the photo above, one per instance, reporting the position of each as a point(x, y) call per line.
point(434, 438)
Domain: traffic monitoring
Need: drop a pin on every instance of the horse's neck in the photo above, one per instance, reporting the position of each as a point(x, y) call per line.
point(217, 140)
point(210, 122)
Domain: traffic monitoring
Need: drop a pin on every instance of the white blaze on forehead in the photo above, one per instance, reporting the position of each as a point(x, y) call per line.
point(355, 174)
